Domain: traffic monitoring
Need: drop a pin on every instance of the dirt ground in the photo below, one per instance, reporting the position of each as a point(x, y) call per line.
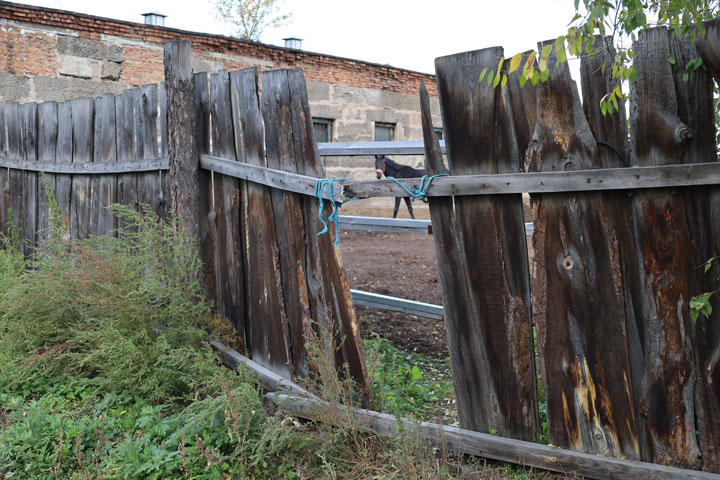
point(397, 264)
point(401, 265)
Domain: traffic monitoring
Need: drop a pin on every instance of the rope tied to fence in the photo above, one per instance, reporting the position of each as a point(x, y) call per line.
point(421, 191)
point(320, 186)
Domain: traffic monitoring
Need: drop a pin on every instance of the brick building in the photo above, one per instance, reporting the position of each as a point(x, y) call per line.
point(48, 54)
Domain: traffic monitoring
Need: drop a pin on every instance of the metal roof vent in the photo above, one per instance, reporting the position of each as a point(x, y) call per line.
point(154, 18)
point(293, 42)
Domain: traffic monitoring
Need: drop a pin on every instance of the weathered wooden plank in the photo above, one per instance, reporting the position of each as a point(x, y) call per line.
point(491, 343)
point(264, 284)
point(708, 47)
point(658, 138)
point(526, 454)
point(16, 150)
point(104, 187)
point(696, 110)
point(278, 179)
point(183, 156)
point(125, 143)
point(269, 380)
point(30, 187)
point(163, 117)
point(149, 185)
point(590, 403)
point(610, 131)
point(47, 149)
point(3, 172)
point(579, 180)
point(88, 168)
point(229, 267)
point(63, 156)
point(206, 204)
point(523, 104)
point(323, 256)
point(82, 135)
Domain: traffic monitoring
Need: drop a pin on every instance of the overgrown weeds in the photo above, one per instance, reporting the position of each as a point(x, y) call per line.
point(106, 373)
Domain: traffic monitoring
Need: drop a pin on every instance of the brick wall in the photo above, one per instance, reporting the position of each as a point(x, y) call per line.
point(319, 68)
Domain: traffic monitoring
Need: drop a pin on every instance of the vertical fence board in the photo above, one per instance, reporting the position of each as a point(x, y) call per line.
point(264, 284)
point(590, 403)
point(208, 214)
point(16, 151)
point(125, 129)
point(82, 121)
point(323, 258)
point(30, 187)
point(163, 120)
point(149, 185)
point(230, 279)
point(104, 187)
point(696, 110)
point(64, 154)
point(658, 138)
point(47, 149)
point(491, 349)
point(610, 132)
point(4, 186)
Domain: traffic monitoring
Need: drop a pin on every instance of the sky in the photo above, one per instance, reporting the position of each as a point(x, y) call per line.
point(407, 34)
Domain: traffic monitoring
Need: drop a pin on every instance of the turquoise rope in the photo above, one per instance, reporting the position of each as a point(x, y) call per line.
point(319, 187)
point(421, 191)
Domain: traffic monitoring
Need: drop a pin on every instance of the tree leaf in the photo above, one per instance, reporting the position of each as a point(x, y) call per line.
point(633, 74)
point(490, 77)
point(545, 75)
point(522, 80)
point(500, 64)
point(603, 108)
point(503, 81)
point(515, 62)
point(672, 59)
point(535, 78)
point(686, 77)
point(560, 49)
point(482, 74)
point(496, 82)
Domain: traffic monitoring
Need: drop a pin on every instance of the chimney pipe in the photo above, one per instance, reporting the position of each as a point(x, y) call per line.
point(293, 42)
point(154, 18)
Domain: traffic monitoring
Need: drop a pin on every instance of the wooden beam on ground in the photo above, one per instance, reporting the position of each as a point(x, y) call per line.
point(395, 304)
point(545, 182)
point(527, 454)
point(291, 182)
point(270, 381)
point(413, 147)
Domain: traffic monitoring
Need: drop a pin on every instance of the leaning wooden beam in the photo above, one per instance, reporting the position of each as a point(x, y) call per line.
point(527, 454)
point(291, 182)
point(386, 302)
point(269, 380)
point(64, 166)
point(544, 182)
point(412, 147)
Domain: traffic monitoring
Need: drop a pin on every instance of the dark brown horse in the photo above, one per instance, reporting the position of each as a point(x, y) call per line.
point(390, 168)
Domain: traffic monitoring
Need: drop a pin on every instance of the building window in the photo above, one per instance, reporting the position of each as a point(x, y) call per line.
point(439, 133)
point(322, 129)
point(384, 132)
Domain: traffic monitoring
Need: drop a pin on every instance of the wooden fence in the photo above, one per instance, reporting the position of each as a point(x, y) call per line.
point(627, 372)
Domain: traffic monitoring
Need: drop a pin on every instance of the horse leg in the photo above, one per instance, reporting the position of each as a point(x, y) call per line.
point(409, 205)
point(397, 207)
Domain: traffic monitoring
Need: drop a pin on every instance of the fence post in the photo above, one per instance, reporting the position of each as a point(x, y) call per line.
point(182, 149)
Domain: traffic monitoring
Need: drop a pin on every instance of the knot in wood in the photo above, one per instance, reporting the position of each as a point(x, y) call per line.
point(568, 263)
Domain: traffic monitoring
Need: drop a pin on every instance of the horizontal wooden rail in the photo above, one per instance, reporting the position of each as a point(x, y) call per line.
point(395, 304)
point(395, 225)
point(534, 182)
point(483, 445)
point(94, 168)
point(291, 182)
point(413, 147)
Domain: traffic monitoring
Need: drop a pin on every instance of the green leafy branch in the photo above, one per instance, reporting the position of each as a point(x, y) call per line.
point(620, 20)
